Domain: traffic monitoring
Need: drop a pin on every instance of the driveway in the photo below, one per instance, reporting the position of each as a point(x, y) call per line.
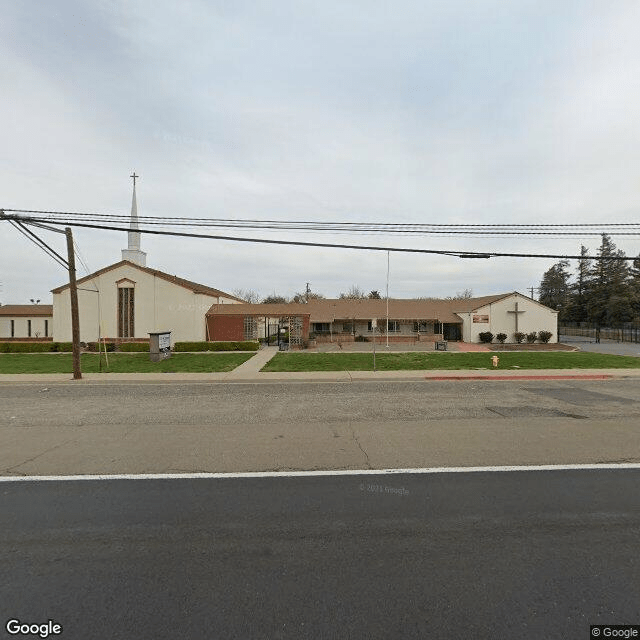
point(606, 346)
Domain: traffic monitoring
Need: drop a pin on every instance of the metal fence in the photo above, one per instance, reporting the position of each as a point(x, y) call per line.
point(582, 331)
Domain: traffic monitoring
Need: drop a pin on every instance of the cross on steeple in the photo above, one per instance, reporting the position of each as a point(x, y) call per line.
point(516, 313)
point(134, 176)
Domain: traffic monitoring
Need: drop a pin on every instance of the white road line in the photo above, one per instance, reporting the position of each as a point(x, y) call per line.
point(338, 472)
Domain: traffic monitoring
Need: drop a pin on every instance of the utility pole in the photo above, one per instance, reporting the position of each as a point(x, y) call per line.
point(73, 293)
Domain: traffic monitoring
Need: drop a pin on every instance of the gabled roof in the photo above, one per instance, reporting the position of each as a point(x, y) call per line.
point(26, 310)
point(181, 282)
point(482, 302)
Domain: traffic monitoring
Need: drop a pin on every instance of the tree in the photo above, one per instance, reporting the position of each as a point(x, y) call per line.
point(374, 295)
point(248, 295)
point(609, 278)
point(576, 309)
point(354, 293)
point(554, 286)
point(274, 299)
point(301, 298)
point(462, 295)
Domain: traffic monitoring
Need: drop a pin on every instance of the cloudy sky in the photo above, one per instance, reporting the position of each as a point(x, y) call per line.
point(433, 111)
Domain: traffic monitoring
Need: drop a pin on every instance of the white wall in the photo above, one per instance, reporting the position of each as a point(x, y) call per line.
point(536, 317)
point(21, 326)
point(159, 305)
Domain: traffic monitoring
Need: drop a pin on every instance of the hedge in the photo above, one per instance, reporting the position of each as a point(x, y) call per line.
point(34, 347)
point(216, 346)
point(133, 346)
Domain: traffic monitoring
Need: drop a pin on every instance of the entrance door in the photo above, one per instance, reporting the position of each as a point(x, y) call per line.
point(452, 332)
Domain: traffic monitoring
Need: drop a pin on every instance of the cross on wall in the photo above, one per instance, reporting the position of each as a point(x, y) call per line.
point(516, 312)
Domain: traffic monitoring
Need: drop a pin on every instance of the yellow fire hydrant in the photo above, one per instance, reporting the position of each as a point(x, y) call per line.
point(495, 360)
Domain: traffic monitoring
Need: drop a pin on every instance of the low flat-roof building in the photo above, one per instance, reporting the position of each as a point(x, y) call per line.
point(26, 321)
point(346, 320)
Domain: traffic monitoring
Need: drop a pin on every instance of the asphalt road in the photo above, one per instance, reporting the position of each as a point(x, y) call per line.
point(107, 428)
point(454, 555)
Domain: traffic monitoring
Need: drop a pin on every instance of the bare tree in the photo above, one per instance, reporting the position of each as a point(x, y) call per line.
point(248, 295)
point(462, 295)
point(354, 293)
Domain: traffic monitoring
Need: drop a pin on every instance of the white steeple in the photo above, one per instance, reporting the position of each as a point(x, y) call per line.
point(133, 252)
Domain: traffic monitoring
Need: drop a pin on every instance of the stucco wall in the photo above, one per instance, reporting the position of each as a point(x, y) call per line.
point(159, 305)
point(536, 317)
point(21, 326)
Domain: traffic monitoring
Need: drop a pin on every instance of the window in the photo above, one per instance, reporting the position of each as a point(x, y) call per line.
point(348, 327)
point(394, 326)
point(46, 328)
point(125, 312)
point(28, 328)
point(423, 327)
point(13, 328)
point(321, 327)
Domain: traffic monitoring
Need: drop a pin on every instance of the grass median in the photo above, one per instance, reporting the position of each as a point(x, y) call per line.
point(122, 363)
point(282, 362)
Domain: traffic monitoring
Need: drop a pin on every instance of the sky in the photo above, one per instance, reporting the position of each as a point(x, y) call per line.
point(433, 111)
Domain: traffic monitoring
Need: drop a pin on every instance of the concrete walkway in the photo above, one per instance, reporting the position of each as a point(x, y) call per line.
point(252, 366)
point(253, 375)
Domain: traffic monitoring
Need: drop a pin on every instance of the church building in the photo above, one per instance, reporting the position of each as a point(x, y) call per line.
point(127, 300)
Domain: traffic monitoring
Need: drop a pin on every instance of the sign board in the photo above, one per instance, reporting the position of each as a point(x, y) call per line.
point(159, 345)
point(481, 319)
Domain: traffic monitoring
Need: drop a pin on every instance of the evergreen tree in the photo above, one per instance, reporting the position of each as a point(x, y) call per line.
point(577, 304)
point(554, 287)
point(608, 298)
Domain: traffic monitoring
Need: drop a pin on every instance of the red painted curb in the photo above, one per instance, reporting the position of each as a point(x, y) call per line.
point(574, 377)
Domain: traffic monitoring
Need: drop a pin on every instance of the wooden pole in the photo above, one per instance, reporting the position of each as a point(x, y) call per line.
point(73, 292)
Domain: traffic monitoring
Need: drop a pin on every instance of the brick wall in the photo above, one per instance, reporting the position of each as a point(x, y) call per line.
point(225, 328)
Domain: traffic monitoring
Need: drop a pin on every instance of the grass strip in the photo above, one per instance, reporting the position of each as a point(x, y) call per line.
point(417, 361)
point(121, 363)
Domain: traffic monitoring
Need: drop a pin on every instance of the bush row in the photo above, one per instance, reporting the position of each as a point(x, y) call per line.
point(518, 336)
point(216, 346)
point(34, 347)
point(125, 347)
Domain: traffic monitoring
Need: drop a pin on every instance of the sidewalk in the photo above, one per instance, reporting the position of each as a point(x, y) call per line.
point(249, 372)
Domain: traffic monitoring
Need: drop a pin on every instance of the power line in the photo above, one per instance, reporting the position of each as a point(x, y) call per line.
point(460, 254)
point(29, 235)
point(575, 229)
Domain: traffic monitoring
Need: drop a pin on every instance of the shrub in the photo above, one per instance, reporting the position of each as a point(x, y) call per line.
point(93, 346)
point(519, 337)
point(532, 337)
point(62, 347)
point(216, 346)
point(26, 347)
point(501, 337)
point(486, 336)
point(361, 339)
point(545, 336)
point(132, 347)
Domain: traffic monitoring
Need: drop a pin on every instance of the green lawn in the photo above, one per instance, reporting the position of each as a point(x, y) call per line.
point(121, 362)
point(431, 360)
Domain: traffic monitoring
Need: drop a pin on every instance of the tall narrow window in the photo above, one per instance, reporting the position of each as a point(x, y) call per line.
point(125, 313)
point(46, 328)
point(28, 328)
point(13, 328)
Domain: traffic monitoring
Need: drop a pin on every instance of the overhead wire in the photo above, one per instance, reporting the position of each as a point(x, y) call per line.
point(461, 254)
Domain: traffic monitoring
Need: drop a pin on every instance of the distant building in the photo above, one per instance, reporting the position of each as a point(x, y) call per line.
point(26, 321)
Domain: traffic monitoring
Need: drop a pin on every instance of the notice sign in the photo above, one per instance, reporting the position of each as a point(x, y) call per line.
point(159, 345)
point(481, 319)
